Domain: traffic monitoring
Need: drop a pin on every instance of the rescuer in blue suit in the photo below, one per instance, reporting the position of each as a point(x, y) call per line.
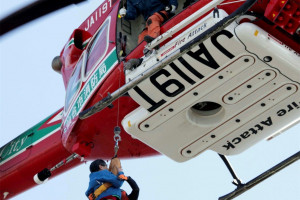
point(99, 175)
point(155, 12)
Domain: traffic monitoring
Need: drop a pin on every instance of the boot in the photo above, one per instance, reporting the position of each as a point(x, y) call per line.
point(148, 39)
point(133, 63)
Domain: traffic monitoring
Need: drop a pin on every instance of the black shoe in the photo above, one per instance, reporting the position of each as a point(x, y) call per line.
point(148, 39)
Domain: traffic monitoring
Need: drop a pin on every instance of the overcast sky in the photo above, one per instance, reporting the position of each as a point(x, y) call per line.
point(30, 91)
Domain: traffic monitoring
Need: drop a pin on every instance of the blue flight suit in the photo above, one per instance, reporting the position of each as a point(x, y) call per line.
point(145, 7)
point(99, 177)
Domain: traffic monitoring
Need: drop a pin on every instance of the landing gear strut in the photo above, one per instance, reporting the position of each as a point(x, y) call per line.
point(236, 181)
point(241, 188)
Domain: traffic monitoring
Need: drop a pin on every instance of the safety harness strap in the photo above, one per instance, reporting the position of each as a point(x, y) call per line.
point(163, 15)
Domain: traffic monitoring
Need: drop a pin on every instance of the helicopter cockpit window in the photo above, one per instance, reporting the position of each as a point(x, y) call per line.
point(98, 47)
point(74, 83)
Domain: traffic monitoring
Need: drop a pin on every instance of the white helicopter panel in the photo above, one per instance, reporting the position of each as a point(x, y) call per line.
point(225, 94)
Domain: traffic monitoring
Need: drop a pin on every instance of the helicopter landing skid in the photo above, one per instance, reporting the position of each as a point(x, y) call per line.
point(241, 188)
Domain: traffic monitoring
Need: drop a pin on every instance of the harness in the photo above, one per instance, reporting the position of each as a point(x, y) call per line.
point(163, 15)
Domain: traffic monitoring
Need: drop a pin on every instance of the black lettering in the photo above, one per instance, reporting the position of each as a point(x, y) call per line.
point(190, 68)
point(245, 135)
point(290, 108)
point(183, 75)
point(268, 122)
point(163, 87)
point(209, 61)
point(259, 127)
point(296, 105)
point(281, 112)
point(154, 105)
point(238, 140)
point(219, 46)
point(229, 145)
point(253, 131)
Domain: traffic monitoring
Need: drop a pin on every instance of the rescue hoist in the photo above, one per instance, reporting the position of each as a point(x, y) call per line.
point(117, 138)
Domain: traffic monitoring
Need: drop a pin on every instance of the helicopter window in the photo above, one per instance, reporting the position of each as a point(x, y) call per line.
point(98, 47)
point(74, 83)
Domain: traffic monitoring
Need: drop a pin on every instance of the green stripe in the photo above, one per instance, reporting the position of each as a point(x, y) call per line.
point(70, 42)
point(25, 140)
point(85, 43)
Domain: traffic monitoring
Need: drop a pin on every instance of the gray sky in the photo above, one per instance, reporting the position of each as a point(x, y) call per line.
point(30, 91)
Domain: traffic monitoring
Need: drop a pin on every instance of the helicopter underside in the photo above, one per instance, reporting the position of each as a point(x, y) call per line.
point(225, 94)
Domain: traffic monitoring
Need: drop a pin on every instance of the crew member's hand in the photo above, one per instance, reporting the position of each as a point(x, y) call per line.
point(122, 177)
point(122, 12)
point(92, 196)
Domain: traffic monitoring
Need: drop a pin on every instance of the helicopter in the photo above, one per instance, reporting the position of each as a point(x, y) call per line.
point(266, 122)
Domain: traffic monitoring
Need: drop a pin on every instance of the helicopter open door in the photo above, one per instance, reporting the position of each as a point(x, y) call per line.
point(127, 32)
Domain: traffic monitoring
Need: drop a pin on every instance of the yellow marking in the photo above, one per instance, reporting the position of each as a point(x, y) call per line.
point(256, 33)
point(129, 124)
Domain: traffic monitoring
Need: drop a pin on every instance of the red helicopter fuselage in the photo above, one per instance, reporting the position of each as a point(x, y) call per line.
point(93, 67)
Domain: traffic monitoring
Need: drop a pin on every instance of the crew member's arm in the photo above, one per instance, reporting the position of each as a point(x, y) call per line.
point(107, 176)
point(131, 12)
point(90, 189)
point(174, 2)
point(174, 5)
point(135, 189)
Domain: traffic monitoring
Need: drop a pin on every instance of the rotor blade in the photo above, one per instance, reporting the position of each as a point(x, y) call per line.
point(31, 12)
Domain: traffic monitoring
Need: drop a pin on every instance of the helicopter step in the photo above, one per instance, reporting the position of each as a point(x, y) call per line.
point(224, 94)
